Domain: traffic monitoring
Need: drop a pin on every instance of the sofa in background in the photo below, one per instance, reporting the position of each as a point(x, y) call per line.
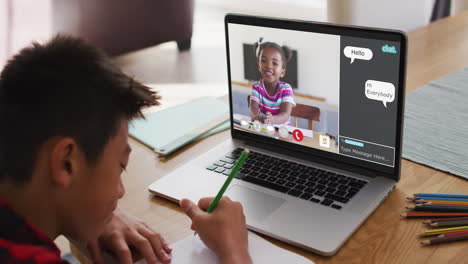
point(120, 26)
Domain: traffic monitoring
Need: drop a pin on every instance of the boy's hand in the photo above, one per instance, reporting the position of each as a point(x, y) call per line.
point(223, 231)
point(124, 230)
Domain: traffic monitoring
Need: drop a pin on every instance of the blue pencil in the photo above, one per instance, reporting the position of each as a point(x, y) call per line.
point(439, 198)
point(461, 196)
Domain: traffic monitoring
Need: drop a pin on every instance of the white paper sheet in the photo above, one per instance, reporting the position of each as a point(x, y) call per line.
point(192, 250)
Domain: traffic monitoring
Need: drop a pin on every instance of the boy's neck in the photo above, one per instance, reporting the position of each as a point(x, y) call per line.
point(28, 202)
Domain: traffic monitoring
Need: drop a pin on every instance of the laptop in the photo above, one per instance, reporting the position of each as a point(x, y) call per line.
point(331, 153)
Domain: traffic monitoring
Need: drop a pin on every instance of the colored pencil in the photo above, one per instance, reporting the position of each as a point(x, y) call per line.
point(228, 180)
point(440, 240)
point(419, 215)
point(454, 234)
point(449, 223)
point(440, 231)
point(437, 198)
point(440, 202)
point(439, 208)
point(438, 195)
point(430, 221)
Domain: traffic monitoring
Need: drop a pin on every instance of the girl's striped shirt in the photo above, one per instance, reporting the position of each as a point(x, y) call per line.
point(268, 103)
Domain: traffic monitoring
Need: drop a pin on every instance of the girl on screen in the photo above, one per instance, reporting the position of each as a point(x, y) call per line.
point(271, 100)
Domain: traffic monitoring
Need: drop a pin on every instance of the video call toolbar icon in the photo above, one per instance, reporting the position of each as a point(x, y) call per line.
point(324, 141)
point(257, 126)
point(270, 130)
point(298, 135)
point(283, 132)
point(245, 124)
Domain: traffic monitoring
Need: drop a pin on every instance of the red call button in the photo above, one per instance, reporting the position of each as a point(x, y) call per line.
point(297, 135)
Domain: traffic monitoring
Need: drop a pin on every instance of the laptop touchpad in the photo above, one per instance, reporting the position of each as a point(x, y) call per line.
point(257, 205)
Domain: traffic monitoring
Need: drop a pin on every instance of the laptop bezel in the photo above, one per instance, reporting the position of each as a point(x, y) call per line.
point(316, 155)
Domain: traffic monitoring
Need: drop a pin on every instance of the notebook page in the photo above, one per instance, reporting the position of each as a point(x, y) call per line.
point(192, 250)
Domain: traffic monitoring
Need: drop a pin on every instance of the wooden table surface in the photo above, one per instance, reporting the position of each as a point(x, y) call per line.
point(434, 51)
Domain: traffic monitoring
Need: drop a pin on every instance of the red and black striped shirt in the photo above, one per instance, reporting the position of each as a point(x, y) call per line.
point(21, 242)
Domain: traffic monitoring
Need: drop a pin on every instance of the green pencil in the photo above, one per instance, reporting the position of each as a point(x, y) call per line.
point(233, 173)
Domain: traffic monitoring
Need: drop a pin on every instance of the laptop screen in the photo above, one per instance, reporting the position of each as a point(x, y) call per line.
point(329, 90)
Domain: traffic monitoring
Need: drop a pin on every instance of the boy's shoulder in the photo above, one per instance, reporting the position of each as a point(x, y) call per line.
point(20, 242)
point(11, 252)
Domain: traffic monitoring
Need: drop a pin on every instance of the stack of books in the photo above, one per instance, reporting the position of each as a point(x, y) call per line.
point(447, 216)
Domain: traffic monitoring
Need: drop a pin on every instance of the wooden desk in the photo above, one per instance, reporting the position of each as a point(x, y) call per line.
point(434, 51)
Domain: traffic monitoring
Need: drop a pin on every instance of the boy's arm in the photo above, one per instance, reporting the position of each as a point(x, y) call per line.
point(124, 230)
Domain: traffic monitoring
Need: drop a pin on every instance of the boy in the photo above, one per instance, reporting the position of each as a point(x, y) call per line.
point(64, 110)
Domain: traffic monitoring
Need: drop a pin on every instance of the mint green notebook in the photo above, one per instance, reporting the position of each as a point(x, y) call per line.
point(167, 130)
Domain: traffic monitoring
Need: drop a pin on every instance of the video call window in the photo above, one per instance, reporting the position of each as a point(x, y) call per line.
point(313, 89)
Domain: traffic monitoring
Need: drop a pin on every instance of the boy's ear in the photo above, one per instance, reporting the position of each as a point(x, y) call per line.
point(64, 161)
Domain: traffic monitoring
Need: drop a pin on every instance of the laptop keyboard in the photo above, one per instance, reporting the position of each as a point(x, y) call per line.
point(316, 185)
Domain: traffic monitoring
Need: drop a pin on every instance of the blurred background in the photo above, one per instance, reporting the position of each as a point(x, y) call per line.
point(131, 26)
point(181, 42)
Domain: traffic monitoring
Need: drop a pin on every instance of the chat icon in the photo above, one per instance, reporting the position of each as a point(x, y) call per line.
point(380, 91)
point(357, 53)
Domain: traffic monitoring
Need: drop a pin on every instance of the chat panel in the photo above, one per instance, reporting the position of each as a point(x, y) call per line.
point(368, 105)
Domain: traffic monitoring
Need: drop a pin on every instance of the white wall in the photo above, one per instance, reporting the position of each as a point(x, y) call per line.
point(314, 10)
point(318, 57)
point(397, 14)
point(458, 6)
point(30, 21)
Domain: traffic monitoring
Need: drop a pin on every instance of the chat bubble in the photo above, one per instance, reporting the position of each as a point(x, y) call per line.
point(357, 53)
point(380, 91)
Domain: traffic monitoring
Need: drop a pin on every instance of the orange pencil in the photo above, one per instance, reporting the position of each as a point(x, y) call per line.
point(419, 215)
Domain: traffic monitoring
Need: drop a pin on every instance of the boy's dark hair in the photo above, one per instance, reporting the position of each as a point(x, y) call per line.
point(62, 88)
point(285, 51)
